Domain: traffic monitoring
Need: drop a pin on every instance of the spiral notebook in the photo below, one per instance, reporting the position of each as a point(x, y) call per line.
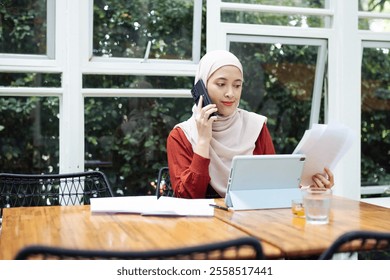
point(264, 181)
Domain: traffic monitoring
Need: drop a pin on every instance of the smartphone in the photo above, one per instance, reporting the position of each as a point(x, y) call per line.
point(200, 89)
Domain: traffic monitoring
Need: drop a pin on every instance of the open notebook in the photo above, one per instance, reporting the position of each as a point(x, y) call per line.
point(151, 206)
point(264, 181)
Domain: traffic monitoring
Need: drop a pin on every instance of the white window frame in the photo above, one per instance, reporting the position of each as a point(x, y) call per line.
point(374, 190)
point(320, 64)
point(144, 66)
point(35, 63)
point(69, 51)
point(75, 53)
point(370, 39)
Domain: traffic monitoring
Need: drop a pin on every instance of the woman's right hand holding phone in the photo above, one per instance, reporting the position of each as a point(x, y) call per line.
point(204, 125)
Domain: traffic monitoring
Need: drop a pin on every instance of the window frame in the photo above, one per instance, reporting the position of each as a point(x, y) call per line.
point(145, 66)
point(320, 64)
point(374, 189)
point(10, 62)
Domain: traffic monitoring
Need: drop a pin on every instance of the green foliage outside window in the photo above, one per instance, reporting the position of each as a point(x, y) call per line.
point(375, 118)
point(123, 28)
point(23, 26)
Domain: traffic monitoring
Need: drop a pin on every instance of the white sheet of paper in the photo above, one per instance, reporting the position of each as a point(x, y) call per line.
point(324, 146)
point(150, 205)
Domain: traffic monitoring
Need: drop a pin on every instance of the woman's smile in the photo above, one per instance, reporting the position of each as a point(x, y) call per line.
point(228, 103)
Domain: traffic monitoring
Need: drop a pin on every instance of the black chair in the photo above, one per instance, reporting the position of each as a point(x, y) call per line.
point(164, 187)
point(240, 248)
point(18, 190)
point(367, 241)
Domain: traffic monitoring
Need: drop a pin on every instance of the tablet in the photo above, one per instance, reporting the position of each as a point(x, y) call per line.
point(264, 181)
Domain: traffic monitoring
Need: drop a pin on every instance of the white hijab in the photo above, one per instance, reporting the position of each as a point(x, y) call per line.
point(232, 135)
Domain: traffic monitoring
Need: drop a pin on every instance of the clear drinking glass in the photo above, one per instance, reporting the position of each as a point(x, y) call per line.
point(317, 205)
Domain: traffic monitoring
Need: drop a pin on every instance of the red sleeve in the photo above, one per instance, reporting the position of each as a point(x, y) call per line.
point(189, 172)
point(264, 144)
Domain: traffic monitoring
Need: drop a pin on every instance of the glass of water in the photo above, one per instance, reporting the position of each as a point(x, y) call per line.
point(317, 205)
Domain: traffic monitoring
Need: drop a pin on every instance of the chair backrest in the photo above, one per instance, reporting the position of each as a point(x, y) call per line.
point(164, 187)
point(365, 241)
point(17, 190)
point(240, 248)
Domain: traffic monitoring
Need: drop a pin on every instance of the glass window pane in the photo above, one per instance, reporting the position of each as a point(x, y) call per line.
point(289, 3)
point(128, 81)
point(272, 19)
point(268, 18)
point(30, 80)
point(126, 138)
point(374, 6)
point(29, 130)
point(124, 28)
point(375, 129)
point(374, 24)
point(279, 80)
point(23, 26)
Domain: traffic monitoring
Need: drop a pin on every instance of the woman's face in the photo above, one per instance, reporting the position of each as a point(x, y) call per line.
point(224, 88)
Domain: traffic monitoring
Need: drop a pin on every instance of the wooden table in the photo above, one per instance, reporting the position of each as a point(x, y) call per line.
point(296, 238)
point(282, 235)
point(77, 227)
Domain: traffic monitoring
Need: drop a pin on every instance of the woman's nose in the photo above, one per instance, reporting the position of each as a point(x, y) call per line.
point(229, 93)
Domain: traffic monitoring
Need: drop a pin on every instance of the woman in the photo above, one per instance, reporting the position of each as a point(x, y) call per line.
point(200, 150)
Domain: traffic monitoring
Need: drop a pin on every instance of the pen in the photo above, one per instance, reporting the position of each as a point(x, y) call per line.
point(219, 207)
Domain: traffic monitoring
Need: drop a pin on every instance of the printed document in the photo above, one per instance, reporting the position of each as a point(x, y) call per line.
point(324, 145)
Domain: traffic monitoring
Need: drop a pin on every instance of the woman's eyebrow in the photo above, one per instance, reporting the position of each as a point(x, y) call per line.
point(225, 79)
point(221, 78)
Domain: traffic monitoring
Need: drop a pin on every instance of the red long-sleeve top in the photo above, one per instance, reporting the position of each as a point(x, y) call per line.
point(189, 172)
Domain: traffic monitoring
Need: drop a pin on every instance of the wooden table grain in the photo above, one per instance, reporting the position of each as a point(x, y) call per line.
point(282, 235)
point(77, 227)
point(296, 238)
